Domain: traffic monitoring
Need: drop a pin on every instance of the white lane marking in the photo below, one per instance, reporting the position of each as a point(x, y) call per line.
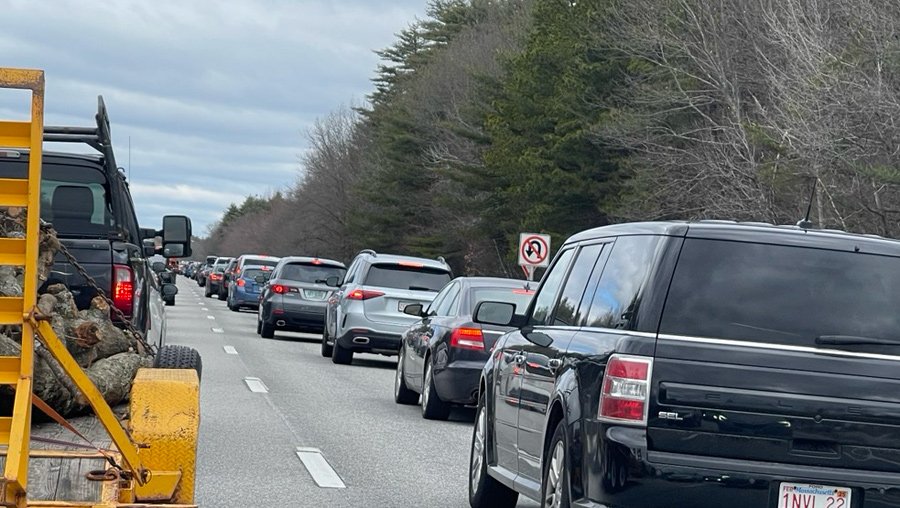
point(321, 471)
point(210, 317)
point(256, 385)
point(218, 330)
point(205, 308)
point(230, 350)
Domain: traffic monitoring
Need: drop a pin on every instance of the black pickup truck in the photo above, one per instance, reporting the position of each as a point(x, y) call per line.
point(86, 199)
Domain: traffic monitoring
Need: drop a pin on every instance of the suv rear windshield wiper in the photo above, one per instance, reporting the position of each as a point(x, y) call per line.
point(420, 288)
point(851, 340)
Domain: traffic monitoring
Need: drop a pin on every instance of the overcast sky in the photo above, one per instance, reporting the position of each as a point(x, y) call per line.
point(216, 96)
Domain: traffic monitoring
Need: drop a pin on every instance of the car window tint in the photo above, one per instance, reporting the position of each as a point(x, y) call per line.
point(406, 277)
point(520, 297)
point(309, 273)
point(615, 298)
point(432, 307)
point(546, 297)
point(76, 207)
point(259, 262)
point(567, 310)
point(251, 273)
point(447, 304)
point(781, 294)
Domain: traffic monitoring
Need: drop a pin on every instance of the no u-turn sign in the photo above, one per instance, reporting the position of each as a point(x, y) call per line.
point(534, 250)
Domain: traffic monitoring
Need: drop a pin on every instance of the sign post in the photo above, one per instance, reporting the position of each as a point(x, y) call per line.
point(534, 252)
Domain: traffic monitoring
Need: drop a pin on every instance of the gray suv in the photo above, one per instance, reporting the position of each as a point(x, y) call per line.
point(365, 315)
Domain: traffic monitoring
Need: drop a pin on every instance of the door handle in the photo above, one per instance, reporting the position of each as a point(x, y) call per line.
point(554, 364)
point(519, 359)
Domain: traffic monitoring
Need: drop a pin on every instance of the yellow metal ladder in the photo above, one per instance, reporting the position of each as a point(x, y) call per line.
point(24, 195)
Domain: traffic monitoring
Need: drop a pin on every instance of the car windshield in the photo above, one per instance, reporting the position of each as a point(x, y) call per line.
point(780, 294)
point(520, 297)
point(407, 277)
point(251, 273)
point(310, 273)
point(261, 262)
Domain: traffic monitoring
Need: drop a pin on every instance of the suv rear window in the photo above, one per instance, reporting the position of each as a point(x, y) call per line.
point(781, 294)
point(406, 277)
point(260, 262)
point(310, 273)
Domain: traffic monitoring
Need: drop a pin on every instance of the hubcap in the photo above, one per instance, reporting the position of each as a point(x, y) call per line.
point(477, 451)
point(553, 496)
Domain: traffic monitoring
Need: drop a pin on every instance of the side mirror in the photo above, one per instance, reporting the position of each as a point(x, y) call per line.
point(333, 281)
point(169, 290)
point(495, 313)
point(260, 279)
point(176, 235)
point(414, 309)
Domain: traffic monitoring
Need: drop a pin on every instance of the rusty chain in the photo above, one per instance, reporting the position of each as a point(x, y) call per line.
point(129, 326)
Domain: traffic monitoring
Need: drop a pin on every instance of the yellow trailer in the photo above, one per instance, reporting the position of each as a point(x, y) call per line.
point(152, 458)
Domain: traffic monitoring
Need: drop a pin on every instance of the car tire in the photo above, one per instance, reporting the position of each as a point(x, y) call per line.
point(341, 356)
point(484, 490)
point(178, 357)
point(170, 303)
point(327, 350)
point(222, 296)
point(402, 393)
point(258, 325)
point(231, 306)
point(207, 292)
point(266, 330)
point(433, 408)
point(555, 485)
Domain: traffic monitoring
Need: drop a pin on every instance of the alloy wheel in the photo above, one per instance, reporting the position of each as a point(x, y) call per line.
point(477, 450)
point(553, 493)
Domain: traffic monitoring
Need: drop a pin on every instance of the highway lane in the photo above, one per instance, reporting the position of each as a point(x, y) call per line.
point(386, 455)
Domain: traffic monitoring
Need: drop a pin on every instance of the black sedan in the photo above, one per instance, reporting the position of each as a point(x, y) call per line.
point(442, 355)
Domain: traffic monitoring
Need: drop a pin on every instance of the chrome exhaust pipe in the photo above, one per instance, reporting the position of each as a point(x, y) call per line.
point(360, 340)
point(280, 322)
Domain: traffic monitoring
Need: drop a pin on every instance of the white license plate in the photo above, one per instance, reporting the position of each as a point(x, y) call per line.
point(802, 495)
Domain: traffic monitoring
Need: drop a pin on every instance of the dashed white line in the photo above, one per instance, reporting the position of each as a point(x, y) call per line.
point(205, 308)
point(321, 471)
point(218, 330)
point(256, 385)
point(210, 317)
point(230, 350)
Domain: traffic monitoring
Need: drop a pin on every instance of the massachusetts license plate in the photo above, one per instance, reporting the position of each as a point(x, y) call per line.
point(801, 495)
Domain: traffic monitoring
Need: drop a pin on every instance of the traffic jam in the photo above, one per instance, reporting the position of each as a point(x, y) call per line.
point(612, 381)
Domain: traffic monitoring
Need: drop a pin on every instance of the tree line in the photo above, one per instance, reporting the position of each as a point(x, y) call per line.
point(491, 117)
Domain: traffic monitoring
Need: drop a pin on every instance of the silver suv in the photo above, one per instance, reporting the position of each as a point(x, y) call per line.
point(365, 315)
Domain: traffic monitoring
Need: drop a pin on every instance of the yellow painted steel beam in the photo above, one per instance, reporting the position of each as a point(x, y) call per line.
point(14, 192)
point(30, 79)
point(11, 310)
point(12, 251)
point(15, 134)
point(9, 369)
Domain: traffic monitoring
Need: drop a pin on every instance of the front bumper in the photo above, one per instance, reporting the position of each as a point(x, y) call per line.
point(621, 473)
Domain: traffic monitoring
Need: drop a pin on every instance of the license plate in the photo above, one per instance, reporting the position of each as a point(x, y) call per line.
point(801, 495)
point(402, 305)
point(312, 294)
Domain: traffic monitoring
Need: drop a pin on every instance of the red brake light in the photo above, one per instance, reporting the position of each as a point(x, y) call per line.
point(316, 262)
point(215, 276)
point(363, 294)
point(241, 282)
point(523, 292)
point(123, 288)
point(278, 288)
point(625, 391)
point(467, 338)
point(411, 264)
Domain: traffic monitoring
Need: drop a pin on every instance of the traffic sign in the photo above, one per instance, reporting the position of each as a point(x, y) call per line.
point(534, 250)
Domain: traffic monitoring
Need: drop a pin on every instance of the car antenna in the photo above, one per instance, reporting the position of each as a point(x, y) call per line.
point(805, 223)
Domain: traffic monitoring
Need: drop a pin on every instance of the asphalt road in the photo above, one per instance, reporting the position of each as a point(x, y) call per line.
point(386, 455)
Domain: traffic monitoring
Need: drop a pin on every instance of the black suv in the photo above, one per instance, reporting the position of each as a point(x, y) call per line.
point(698, 365)
point(86, 199)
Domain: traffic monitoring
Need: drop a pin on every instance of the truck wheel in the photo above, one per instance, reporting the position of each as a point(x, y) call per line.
point(266, 330)
point(340, 355)
point(178, 357)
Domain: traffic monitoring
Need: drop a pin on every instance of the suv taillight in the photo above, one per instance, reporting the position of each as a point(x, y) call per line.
point(363, 294)
point(123, 288)
point(625, 391)
point(467, 338)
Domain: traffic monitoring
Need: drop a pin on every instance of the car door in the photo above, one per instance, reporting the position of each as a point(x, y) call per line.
point(557, 318)
point(509, 362)
point(418, 337)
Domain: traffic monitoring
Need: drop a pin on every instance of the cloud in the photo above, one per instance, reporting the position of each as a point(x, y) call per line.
point(215, 97)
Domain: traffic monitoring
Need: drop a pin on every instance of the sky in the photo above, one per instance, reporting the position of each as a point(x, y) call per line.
point(216, 97)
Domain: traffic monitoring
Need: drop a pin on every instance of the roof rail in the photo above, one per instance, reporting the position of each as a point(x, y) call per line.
point(98, 138)
point(441, 259)
point(368, 251)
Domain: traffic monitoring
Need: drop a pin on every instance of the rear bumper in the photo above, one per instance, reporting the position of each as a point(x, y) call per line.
point(621, 473)
point(244, 299)
point(361, 340)
point(458, 382)
point(298, 317)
